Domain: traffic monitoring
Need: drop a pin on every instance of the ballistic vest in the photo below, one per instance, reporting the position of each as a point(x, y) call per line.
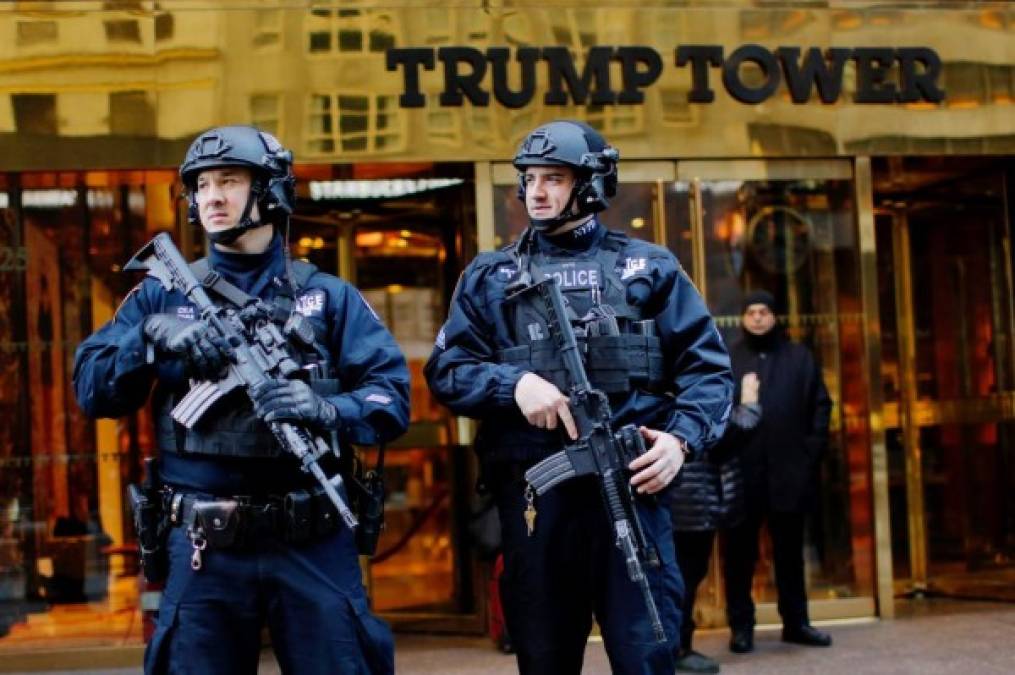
point(230, 428)
point(619, 346)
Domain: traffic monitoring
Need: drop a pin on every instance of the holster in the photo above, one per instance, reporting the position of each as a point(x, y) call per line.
point(151, 527)
point(369, 510)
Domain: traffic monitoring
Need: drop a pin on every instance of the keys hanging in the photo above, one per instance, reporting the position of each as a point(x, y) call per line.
point(530, 509)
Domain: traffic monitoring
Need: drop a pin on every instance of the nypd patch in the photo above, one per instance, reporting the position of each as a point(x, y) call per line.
point(310, 303)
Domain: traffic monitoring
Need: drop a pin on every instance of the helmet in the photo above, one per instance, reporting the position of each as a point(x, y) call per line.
point(273, 184)
point(579, 146)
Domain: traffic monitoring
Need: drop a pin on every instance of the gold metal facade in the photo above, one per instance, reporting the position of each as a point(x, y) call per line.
point(125, 83)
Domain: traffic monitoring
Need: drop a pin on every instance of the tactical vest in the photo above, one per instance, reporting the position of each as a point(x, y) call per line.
point(620, 348)
point(230, 428)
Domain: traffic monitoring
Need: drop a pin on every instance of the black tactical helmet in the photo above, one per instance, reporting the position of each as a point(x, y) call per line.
point(579, 146)
point(273, 185)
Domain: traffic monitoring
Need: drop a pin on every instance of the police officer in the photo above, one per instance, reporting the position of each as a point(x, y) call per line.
point(650, 344)
point(290, 564)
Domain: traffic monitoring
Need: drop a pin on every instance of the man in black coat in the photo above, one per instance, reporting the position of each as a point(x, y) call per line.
point(708, 495)
point(780, 464)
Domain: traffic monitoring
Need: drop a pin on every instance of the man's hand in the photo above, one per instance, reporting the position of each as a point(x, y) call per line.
point(205, 354)
point(659, 465)
point(292, 401)
point(542, 403)
point(749, 386)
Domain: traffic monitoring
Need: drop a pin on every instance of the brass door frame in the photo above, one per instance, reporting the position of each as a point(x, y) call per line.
point(907, 409)
point(864, 190)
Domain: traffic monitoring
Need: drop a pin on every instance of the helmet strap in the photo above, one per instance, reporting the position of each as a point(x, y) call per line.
point(288, 257)
point(229, 236)
point(566, 215)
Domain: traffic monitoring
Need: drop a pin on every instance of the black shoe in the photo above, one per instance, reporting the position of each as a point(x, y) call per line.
point(806, 635)
point(504, 644)
point(742, 641)
point(696, 662)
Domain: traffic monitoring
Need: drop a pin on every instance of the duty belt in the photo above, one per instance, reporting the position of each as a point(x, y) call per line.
point(239, 522)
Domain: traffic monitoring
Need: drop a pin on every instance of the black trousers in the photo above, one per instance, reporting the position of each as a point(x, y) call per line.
point(694, 550)
point(740, 554)
point(569, 570)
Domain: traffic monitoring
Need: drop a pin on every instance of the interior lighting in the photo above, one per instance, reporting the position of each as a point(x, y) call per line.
point(368, 239)
point(48, 199)
point(377, 189)
point(638, 223)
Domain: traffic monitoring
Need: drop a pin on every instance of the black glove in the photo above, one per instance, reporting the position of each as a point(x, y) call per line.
point(205, 354)
point(292, 401)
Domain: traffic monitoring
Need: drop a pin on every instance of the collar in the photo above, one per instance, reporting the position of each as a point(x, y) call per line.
point(583, 238)
point(248, 271)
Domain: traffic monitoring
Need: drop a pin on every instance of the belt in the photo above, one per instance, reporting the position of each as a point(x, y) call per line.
point(235, 522)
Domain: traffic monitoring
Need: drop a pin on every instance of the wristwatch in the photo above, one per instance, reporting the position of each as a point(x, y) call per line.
point(684, 447)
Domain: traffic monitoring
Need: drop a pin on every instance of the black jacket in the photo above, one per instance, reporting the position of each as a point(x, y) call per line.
point(708, 493)
point(781, 459)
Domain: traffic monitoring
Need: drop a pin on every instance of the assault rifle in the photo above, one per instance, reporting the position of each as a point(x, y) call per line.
point(258, 353)
point(599, 450)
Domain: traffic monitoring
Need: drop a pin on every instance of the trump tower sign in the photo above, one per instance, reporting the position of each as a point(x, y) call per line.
point(882, 74)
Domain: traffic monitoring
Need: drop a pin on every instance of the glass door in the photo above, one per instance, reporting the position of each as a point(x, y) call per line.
point(790, 227)
point(945, 268)
point(400, 238)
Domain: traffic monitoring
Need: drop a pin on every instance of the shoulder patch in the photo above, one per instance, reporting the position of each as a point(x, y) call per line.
point(506, 271)
point(311, 303)
point(632, 266)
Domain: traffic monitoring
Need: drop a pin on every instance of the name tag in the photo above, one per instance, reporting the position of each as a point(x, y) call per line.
point(186, 312)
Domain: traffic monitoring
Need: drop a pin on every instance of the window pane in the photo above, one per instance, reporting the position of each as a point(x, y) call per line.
point(126, 30)
point(350, 41)
point(320, 41)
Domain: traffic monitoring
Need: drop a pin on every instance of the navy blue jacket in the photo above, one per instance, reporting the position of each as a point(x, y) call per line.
point(463, 372)
point(112, 378)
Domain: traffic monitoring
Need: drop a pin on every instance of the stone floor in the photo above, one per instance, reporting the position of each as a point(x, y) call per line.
point(928, 637)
